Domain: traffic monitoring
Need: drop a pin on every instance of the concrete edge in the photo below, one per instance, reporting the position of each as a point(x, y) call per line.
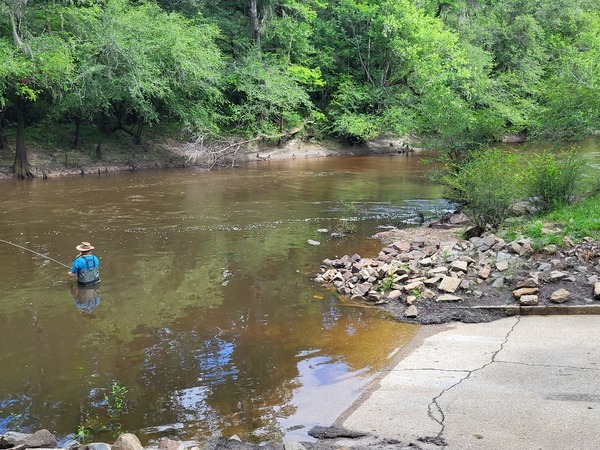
point(542, 310)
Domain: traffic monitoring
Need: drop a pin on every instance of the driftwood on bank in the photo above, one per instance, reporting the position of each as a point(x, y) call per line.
point(224, 152)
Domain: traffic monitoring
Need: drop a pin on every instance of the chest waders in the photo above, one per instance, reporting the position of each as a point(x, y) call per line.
point(89, 275)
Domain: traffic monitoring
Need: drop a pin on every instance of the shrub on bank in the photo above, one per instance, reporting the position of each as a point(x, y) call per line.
point(553, 178)
point(487, 186)
point(492, 181)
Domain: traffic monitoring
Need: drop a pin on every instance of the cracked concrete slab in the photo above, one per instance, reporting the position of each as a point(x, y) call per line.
point(520, 382)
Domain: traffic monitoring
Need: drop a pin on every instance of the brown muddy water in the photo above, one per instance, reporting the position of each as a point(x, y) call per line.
point(207, 313)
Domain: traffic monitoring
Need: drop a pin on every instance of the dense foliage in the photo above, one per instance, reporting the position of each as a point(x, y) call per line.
point(459, 73)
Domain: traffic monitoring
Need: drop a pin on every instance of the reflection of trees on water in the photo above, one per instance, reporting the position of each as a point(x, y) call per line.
point(237, 371)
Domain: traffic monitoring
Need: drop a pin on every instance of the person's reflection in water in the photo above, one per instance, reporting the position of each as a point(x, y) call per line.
point(86, 298)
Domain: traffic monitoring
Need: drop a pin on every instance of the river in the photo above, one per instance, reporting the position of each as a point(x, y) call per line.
point(207, 321)
point(207, 313)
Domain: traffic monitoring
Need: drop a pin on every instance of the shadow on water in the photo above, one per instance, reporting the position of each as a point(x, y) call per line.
point(210, 323)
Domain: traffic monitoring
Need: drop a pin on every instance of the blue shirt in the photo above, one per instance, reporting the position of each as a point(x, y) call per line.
point(80, 263)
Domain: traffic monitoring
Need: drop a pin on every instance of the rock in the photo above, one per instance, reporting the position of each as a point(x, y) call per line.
point(319, 432)
point(98, 446)
point(428, 294)
point(445, 298)
point(433, 280)
point(401, 246)
point(411, 312)
point(449, 284)
point(410, 299)
point(236, 438)
point(170, 444)
point(459, 265)
point(12, 438)
point(484, 272)
point(560, 296)
point(322, 230)
point(426, 261)
point(393, 295)
point(311, 242)
point(502, 265)
point(41, 438)
point(528, 300)
point(437, 271)
point(557, 275)
point(527, 283)
point(544, 266)
point(498, 282)
point(518, 293)
point(293, 446)
point(515, 247)
point(416, 285)
point(362, 289)
point(127, 441)
point(457, 219)
point(597, 290)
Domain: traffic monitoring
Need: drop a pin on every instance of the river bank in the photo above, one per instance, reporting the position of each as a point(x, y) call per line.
point(153, 155)
point(432, 275)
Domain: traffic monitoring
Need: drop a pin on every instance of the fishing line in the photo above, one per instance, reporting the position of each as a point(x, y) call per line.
point(39, 254)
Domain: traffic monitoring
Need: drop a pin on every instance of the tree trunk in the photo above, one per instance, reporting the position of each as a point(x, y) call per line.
point(76, 141)
point(254, 22)
point(21, 166)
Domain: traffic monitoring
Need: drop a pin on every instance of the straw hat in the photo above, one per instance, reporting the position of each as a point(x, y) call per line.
point(84, 247)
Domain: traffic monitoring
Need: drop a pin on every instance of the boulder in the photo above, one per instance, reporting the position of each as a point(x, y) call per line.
point(127, 441)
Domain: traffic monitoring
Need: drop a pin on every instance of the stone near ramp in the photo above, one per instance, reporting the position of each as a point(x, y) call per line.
point(411, 312)
point(597, 290)
point(320, 432)
point(518, 293)
point(529, 300)
point(527, 283)
point(560, 296)
point(448, 298)
point(449, 284)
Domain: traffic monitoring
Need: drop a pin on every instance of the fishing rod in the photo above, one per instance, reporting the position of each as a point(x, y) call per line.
point(39, 254)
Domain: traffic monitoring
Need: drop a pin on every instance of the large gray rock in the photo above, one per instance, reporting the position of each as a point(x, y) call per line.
point(41, 438)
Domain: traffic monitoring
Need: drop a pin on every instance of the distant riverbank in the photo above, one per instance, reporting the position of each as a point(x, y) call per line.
point(48, 163)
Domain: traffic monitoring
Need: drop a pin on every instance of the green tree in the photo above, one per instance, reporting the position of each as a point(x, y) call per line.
point(266, 96)
point(39, 62)
point(138, 64)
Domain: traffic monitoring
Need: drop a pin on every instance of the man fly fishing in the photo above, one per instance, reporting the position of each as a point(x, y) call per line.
point(85, 266)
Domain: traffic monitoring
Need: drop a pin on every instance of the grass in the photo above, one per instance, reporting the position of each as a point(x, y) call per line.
point(575, 221)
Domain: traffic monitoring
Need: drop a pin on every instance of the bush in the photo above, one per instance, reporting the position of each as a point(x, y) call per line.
point(553, 178)
point(487, 186)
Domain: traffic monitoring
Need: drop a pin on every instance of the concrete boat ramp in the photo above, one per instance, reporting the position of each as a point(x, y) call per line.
point(523, 382)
